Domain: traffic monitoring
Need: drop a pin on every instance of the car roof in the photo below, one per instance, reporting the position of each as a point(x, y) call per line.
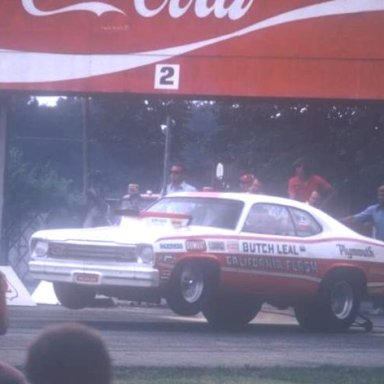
point(325, 219)
point(245, 197)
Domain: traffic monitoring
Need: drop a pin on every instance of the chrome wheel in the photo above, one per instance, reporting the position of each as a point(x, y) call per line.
point(342, 299)
point(192, 283)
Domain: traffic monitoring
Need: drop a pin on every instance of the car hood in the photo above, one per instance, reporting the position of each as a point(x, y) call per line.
point(133, 231)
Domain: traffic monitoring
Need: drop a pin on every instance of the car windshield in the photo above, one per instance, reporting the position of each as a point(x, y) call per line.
point(207, 212)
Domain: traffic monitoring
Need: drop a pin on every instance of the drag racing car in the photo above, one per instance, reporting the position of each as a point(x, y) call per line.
point(222, 254)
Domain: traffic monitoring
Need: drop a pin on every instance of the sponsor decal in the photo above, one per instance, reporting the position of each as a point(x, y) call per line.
point(355, 252)
point(216, 245)
point(171, 246)
point(272, 264)
point(240, 18)
point(158, 220)
point(233, 246)
point(272, 249)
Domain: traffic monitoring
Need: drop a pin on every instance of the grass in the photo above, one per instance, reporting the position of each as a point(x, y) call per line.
point(248, 375)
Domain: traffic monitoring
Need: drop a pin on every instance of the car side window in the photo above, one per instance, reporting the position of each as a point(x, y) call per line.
point(305, 224)
point(269, 219)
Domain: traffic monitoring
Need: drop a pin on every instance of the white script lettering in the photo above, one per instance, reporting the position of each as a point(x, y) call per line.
point(234, 10)
point(91, 6)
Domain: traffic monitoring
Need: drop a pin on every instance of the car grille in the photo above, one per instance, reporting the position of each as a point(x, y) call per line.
point(92, 252)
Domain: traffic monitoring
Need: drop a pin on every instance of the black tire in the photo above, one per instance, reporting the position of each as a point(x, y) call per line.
point(74, 296)
point(191, 284)
point(336, 307)
point(231, 314)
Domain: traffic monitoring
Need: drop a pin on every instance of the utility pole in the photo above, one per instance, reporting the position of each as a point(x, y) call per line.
point(166, 128)
point(3, 156)
point(86, 121)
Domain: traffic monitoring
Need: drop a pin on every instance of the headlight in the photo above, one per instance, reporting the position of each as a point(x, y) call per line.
point(145, 254)
point(40, 249)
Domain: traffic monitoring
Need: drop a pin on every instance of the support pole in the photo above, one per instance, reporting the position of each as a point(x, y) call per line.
point(167, 150)
point(86, 122)
point(3, 156)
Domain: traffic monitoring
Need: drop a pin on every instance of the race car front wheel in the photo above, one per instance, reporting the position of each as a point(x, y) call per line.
point(232, 313)
point(191, 284)
point(74, 296)
point(336, 307)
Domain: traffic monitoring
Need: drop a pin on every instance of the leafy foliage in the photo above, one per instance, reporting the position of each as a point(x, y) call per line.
point(342, 139)
point(31, 188)
point(343, 142)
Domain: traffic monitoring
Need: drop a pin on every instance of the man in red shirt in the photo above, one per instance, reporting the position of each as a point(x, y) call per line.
point(304, 182)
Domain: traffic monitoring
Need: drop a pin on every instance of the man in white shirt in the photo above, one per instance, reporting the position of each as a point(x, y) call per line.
point(177, 183)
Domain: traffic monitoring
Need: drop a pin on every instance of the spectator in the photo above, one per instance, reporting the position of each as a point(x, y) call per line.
point(314, 199)
point(177, 183)
point(304, 182)
point(250, 183)
point(10, 375)
point(374, 215)
point(256, 187)
point(98, 210)
point(68, 354)
point(132, 200)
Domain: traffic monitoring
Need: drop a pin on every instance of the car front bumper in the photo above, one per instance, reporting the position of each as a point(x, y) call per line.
point(101, 274)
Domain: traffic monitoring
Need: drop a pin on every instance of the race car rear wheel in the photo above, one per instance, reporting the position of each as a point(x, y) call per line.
point(231, 313)
point(74, 296)
point(336, 307)
point(191, 284)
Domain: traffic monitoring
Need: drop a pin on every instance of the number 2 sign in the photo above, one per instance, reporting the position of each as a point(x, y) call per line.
point(167, 76)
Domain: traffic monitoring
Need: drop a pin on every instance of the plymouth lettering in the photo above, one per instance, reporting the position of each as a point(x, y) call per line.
point(358, 252)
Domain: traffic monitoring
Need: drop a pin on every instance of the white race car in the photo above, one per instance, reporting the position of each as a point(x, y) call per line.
point(224, 254)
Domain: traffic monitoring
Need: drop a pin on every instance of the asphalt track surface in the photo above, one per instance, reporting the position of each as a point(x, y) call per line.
point(154, 336)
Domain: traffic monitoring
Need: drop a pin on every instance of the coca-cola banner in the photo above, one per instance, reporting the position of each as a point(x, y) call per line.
point(267, 48)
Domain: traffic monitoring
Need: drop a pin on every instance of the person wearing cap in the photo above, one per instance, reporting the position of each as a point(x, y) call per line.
point(177, 183)
point(304, 182)
point(250, 183)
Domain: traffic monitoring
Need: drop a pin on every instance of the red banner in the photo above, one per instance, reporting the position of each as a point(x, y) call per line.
point(258, 48)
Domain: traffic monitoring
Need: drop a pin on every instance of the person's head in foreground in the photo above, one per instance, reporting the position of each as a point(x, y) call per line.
point(10, 375)
point(68, 354)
